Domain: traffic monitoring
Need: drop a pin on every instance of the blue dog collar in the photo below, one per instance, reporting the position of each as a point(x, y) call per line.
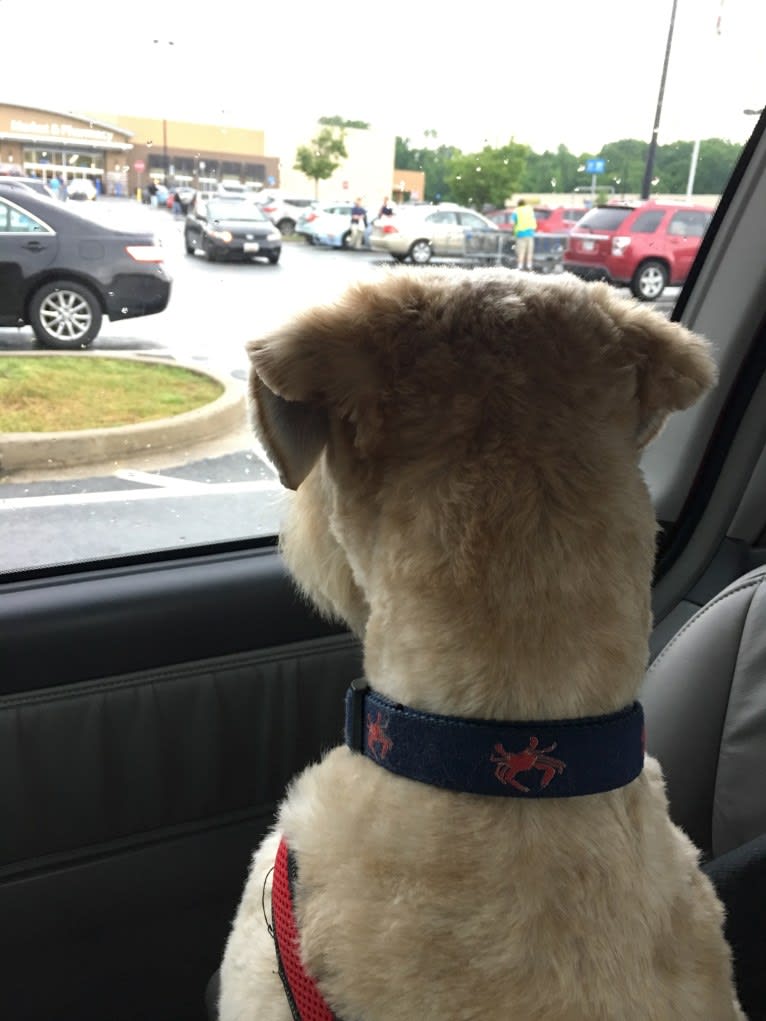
point(531, 759)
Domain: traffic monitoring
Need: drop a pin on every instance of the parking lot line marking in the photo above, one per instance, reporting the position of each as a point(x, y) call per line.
point(198, 489)
point(151, 479)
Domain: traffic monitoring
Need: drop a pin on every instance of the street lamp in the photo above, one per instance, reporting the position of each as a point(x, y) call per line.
point(646, 186)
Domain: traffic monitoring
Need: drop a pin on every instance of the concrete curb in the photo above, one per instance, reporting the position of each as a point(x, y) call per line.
point(226, 414)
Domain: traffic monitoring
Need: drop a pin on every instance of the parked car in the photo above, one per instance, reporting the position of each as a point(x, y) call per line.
point(556, 220)
point(81, 188)
point(327, 225)
point(421, 232)
point(284, 210)
point(61, 273)
point(35, 184)
point(227, 226)
point(646, 246)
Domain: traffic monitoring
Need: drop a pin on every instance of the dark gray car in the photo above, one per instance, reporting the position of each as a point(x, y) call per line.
point(61, 273)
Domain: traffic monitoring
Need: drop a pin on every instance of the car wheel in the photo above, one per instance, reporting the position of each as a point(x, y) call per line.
point(286, 225)
point(345, 239)
point(421, 252)
point(65, 315)
point(649, 280)
point(209, 250)
point(273, 257)
point(190, 246)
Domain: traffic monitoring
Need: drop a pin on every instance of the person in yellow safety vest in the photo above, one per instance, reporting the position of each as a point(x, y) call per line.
point(524, 227)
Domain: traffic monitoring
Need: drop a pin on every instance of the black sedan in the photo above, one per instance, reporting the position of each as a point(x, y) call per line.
point(231, 226)
point(61, 273)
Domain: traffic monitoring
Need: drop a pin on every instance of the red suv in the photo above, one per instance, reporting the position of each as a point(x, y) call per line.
point(645, 247)
point(559, 220)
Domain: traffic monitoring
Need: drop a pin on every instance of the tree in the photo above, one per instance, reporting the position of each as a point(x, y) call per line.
point(323, 155)
point(489, 177)
point(435, 164)
point(550, 171)
point(341, 122)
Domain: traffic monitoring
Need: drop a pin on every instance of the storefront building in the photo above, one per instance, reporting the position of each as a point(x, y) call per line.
point(176, 153)
point(122, 154)
point(45, 143)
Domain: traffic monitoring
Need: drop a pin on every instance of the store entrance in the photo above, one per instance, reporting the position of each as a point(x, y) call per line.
point(66, 163)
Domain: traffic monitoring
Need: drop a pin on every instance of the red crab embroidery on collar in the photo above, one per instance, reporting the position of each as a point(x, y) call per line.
point(378, 741)
point(509, 764)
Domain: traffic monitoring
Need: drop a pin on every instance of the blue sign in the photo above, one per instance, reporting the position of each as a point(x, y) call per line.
point(272, 181)
point(595, 166)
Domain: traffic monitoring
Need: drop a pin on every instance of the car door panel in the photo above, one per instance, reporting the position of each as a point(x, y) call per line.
point(138, 796)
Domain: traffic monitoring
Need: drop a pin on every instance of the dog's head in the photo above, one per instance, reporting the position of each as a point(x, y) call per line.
point(432, 421)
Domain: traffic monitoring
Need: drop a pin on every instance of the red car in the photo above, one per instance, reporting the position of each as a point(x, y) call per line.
point(558, 220)
point(645, 247)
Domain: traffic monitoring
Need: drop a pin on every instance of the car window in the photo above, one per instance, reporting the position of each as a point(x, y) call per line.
point(471, 220)
point(689, 223)
point(443, 216)
point(604, 219)
point(648, 222)
point(13, 221)
point(171, 126)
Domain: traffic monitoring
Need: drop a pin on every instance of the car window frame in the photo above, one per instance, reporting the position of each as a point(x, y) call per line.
point(46, 227)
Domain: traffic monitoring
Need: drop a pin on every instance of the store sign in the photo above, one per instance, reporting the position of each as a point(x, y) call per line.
point(139, 166)
point(63, 132)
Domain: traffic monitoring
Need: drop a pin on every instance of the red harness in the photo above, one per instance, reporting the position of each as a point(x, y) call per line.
point(306, 1002)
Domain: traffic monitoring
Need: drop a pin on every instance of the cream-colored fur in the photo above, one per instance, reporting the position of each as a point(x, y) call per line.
point(465, 448)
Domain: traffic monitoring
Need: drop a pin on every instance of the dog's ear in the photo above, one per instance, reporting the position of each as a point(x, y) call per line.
point(292, 432)
point(299, 376)
point(674, 366)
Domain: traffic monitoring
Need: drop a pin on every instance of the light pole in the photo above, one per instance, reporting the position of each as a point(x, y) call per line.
point(168, 42)
point(647, 182)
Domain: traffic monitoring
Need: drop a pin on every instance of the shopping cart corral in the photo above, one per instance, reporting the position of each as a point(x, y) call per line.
point(498, 247)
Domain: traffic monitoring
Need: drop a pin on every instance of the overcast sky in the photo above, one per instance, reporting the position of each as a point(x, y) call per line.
point(543, 72)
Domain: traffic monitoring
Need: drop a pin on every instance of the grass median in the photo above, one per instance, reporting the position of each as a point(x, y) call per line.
point(67, 393)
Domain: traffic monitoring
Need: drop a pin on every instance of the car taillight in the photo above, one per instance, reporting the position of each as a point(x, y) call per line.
point(268, 209)
point(145, 253)
point(389, 228)
point(311, 216)
point(619, 244)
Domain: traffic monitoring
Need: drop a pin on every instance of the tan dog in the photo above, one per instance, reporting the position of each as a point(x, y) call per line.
point(465, 449)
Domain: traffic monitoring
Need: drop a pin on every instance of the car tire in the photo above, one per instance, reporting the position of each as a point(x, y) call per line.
point(345, 239)
point(649, 280)
point(421, 252)
point(273, 257)
point(190, 246)
point(209, 250)
point(65, 315)
point(286, 226)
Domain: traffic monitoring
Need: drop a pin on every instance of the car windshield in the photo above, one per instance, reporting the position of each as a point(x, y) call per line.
point(242, 211)
point(155, 148)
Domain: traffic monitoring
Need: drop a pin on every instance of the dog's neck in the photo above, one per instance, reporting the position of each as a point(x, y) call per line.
point(575, 653)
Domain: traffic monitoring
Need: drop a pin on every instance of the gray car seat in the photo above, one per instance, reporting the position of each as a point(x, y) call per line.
point(704, 699)
point(705, 705)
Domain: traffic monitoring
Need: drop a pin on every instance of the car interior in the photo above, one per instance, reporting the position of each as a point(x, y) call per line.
point(154, 708)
